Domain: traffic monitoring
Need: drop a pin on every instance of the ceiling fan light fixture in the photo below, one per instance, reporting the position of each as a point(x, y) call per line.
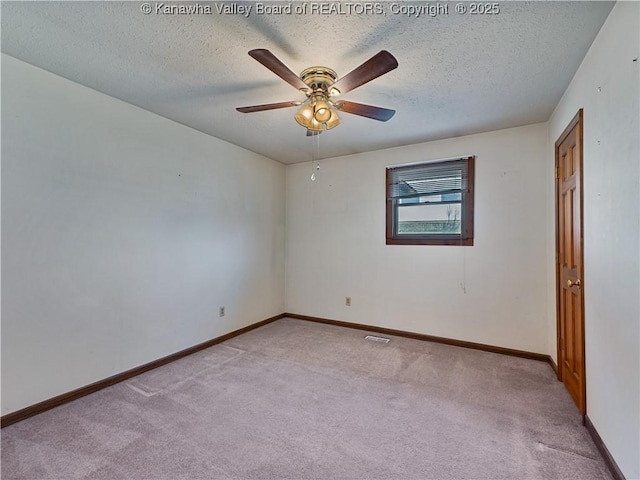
point(316, 126)
point(322, 112)
point(321, 109)
point(305, 117)
point(333, 121)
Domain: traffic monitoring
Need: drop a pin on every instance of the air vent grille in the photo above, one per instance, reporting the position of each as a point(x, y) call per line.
point(373, 338)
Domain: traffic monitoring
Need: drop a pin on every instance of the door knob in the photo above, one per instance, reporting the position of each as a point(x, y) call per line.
point(571, 283)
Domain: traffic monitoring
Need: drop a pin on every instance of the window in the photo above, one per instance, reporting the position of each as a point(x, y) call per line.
point(431, 203)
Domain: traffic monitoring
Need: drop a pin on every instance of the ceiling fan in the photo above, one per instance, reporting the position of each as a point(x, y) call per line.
point(320, 85)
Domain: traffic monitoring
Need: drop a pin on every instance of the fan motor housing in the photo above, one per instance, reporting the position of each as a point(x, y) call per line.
point(319, 79)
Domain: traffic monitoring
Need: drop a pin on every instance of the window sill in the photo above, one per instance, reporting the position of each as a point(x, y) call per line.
point(468, 242)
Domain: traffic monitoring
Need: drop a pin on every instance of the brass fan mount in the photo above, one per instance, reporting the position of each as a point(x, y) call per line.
point(319, 80)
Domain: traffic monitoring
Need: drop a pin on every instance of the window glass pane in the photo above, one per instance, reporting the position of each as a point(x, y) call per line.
point(432, 185)
point(430, 203)
point(443, 198)
point(431, 218)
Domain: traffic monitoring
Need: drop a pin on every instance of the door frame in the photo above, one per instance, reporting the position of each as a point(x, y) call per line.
point(576, 121)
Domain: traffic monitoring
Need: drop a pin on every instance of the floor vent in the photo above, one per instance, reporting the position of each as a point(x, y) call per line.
point(373, 338)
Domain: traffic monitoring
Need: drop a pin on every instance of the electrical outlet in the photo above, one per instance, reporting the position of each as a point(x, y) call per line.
point(221, 314)
point(347, 301)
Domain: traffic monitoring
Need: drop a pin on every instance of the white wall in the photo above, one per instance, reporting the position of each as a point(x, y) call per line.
point(611, 229)
point(122, 234)
point(493, 292)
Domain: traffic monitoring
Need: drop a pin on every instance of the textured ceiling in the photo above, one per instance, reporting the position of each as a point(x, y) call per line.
point(458, 74)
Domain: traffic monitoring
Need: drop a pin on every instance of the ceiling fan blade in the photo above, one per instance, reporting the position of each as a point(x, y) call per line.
point(311, 133)
point(376, 66)
point(269, 60)
point(369, 111)
point(267, 106)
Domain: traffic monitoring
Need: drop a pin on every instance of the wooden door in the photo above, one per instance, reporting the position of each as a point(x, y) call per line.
point(569, 243)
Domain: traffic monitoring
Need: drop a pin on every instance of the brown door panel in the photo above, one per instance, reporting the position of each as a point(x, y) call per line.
point(569, 246)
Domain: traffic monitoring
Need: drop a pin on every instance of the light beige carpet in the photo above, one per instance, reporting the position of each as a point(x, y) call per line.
point(300, 400)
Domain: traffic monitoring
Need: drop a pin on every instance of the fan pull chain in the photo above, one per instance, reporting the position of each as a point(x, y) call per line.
point(313, 157)
point(318, 155)
point(315, 163)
